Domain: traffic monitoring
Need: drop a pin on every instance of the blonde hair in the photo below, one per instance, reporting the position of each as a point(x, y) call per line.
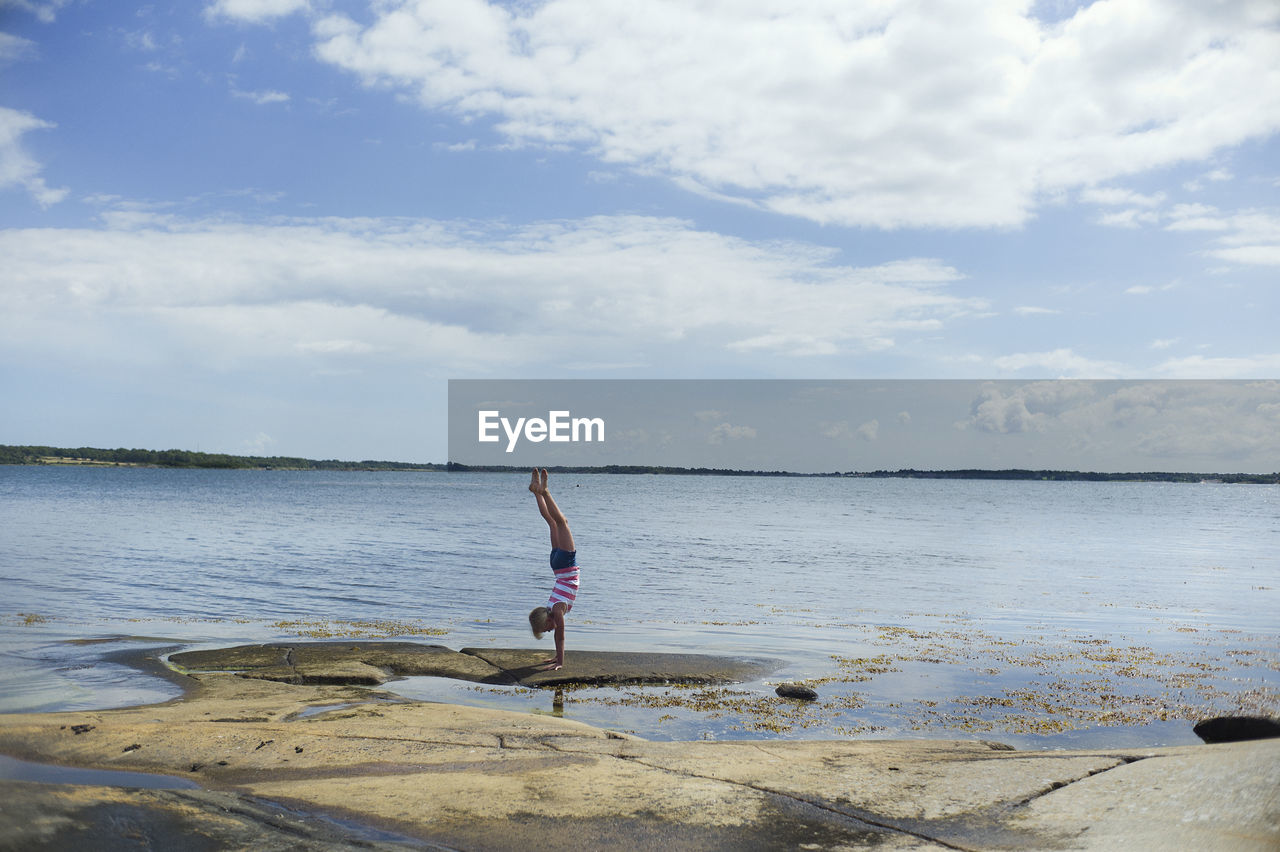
point(538, 619)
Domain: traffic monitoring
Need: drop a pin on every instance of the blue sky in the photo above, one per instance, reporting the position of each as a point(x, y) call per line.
point(280, 226)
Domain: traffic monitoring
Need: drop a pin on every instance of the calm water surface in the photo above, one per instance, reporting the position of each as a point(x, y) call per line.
point(921, 607)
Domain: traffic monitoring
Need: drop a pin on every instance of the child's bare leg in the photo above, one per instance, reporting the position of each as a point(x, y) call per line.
point(560, 536)
point(539, 490)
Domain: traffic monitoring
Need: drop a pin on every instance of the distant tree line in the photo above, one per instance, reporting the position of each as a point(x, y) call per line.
point(10, 454)
point(1076, 476)
point(627, 469)
point(188, 459)
point(1056, 475)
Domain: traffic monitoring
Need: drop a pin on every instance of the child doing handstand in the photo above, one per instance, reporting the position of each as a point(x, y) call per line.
point(564, 565)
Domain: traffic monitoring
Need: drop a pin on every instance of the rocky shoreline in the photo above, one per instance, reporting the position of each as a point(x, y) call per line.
point(285, 764)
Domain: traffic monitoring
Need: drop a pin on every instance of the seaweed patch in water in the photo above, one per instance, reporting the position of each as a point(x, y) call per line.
point(940, 682)
point(370, 629)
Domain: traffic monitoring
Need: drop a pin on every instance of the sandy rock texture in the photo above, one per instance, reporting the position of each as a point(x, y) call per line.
point(335, 766)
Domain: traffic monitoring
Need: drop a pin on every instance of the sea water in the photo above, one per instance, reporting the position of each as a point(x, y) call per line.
point(1037, 613)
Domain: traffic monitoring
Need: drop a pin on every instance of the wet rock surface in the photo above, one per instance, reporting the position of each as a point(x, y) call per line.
point(372, 663)
point(1232, 729)
point(796, 690)
point(337, 766)
point(603, 668)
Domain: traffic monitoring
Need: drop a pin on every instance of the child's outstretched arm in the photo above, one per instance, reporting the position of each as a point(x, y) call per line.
point(557, 620)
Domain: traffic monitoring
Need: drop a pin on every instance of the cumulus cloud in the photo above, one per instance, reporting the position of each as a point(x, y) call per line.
point(258, 444)
point(889, 114)
point(1064, 363)
point(1130, 218)
point(46, 11)
point(728, 432)
point(1117, 197)
point(267, 96)
point(14, 48)
point(1148, 289)
point(1024, 408)
point(254, 11)
point(483, 295)
point(1226, 420)
point(1202, 367)
point(1211, 176)
point(1249, 237)
point(1169, 420)
point(838, 429)
point(17, 168)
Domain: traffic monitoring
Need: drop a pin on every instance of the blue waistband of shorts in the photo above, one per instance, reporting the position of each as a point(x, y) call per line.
point(562, 559)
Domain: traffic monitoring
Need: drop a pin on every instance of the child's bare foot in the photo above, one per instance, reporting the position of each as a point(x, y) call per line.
point(544, 480)
point(550, 666)
point(533, 481)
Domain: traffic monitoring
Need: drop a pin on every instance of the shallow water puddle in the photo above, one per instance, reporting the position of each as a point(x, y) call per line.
point(323, 708)
point(12, 769)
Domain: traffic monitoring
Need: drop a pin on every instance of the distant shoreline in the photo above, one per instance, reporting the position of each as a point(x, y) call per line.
point(96, 457)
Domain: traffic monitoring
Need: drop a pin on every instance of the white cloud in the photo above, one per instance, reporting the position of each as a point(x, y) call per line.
point(267, 96)
point(1196, 217)
point(1212, 176)
point(14, 48)
point(254, 11)
point(1250, 237)
point(1148, 289)
point(1024, 408)
point(46, 11)
point(142, 40)
point(1174, 420)
point(728, 432)
point(1062, 363)
point(257, 445)
point(352, 347)
point(17, 168)
point(1131, 218)
point(1154, 419)
point(869, 431)
point(1200, 367)
point(838, 429)
point(451, 293)
point(1031, 310)
point(887, 114)
point(1116, 197)
point(1163, 343)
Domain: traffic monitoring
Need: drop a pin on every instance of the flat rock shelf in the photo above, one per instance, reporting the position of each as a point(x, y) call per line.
point(337, 767)
point(372, 663)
